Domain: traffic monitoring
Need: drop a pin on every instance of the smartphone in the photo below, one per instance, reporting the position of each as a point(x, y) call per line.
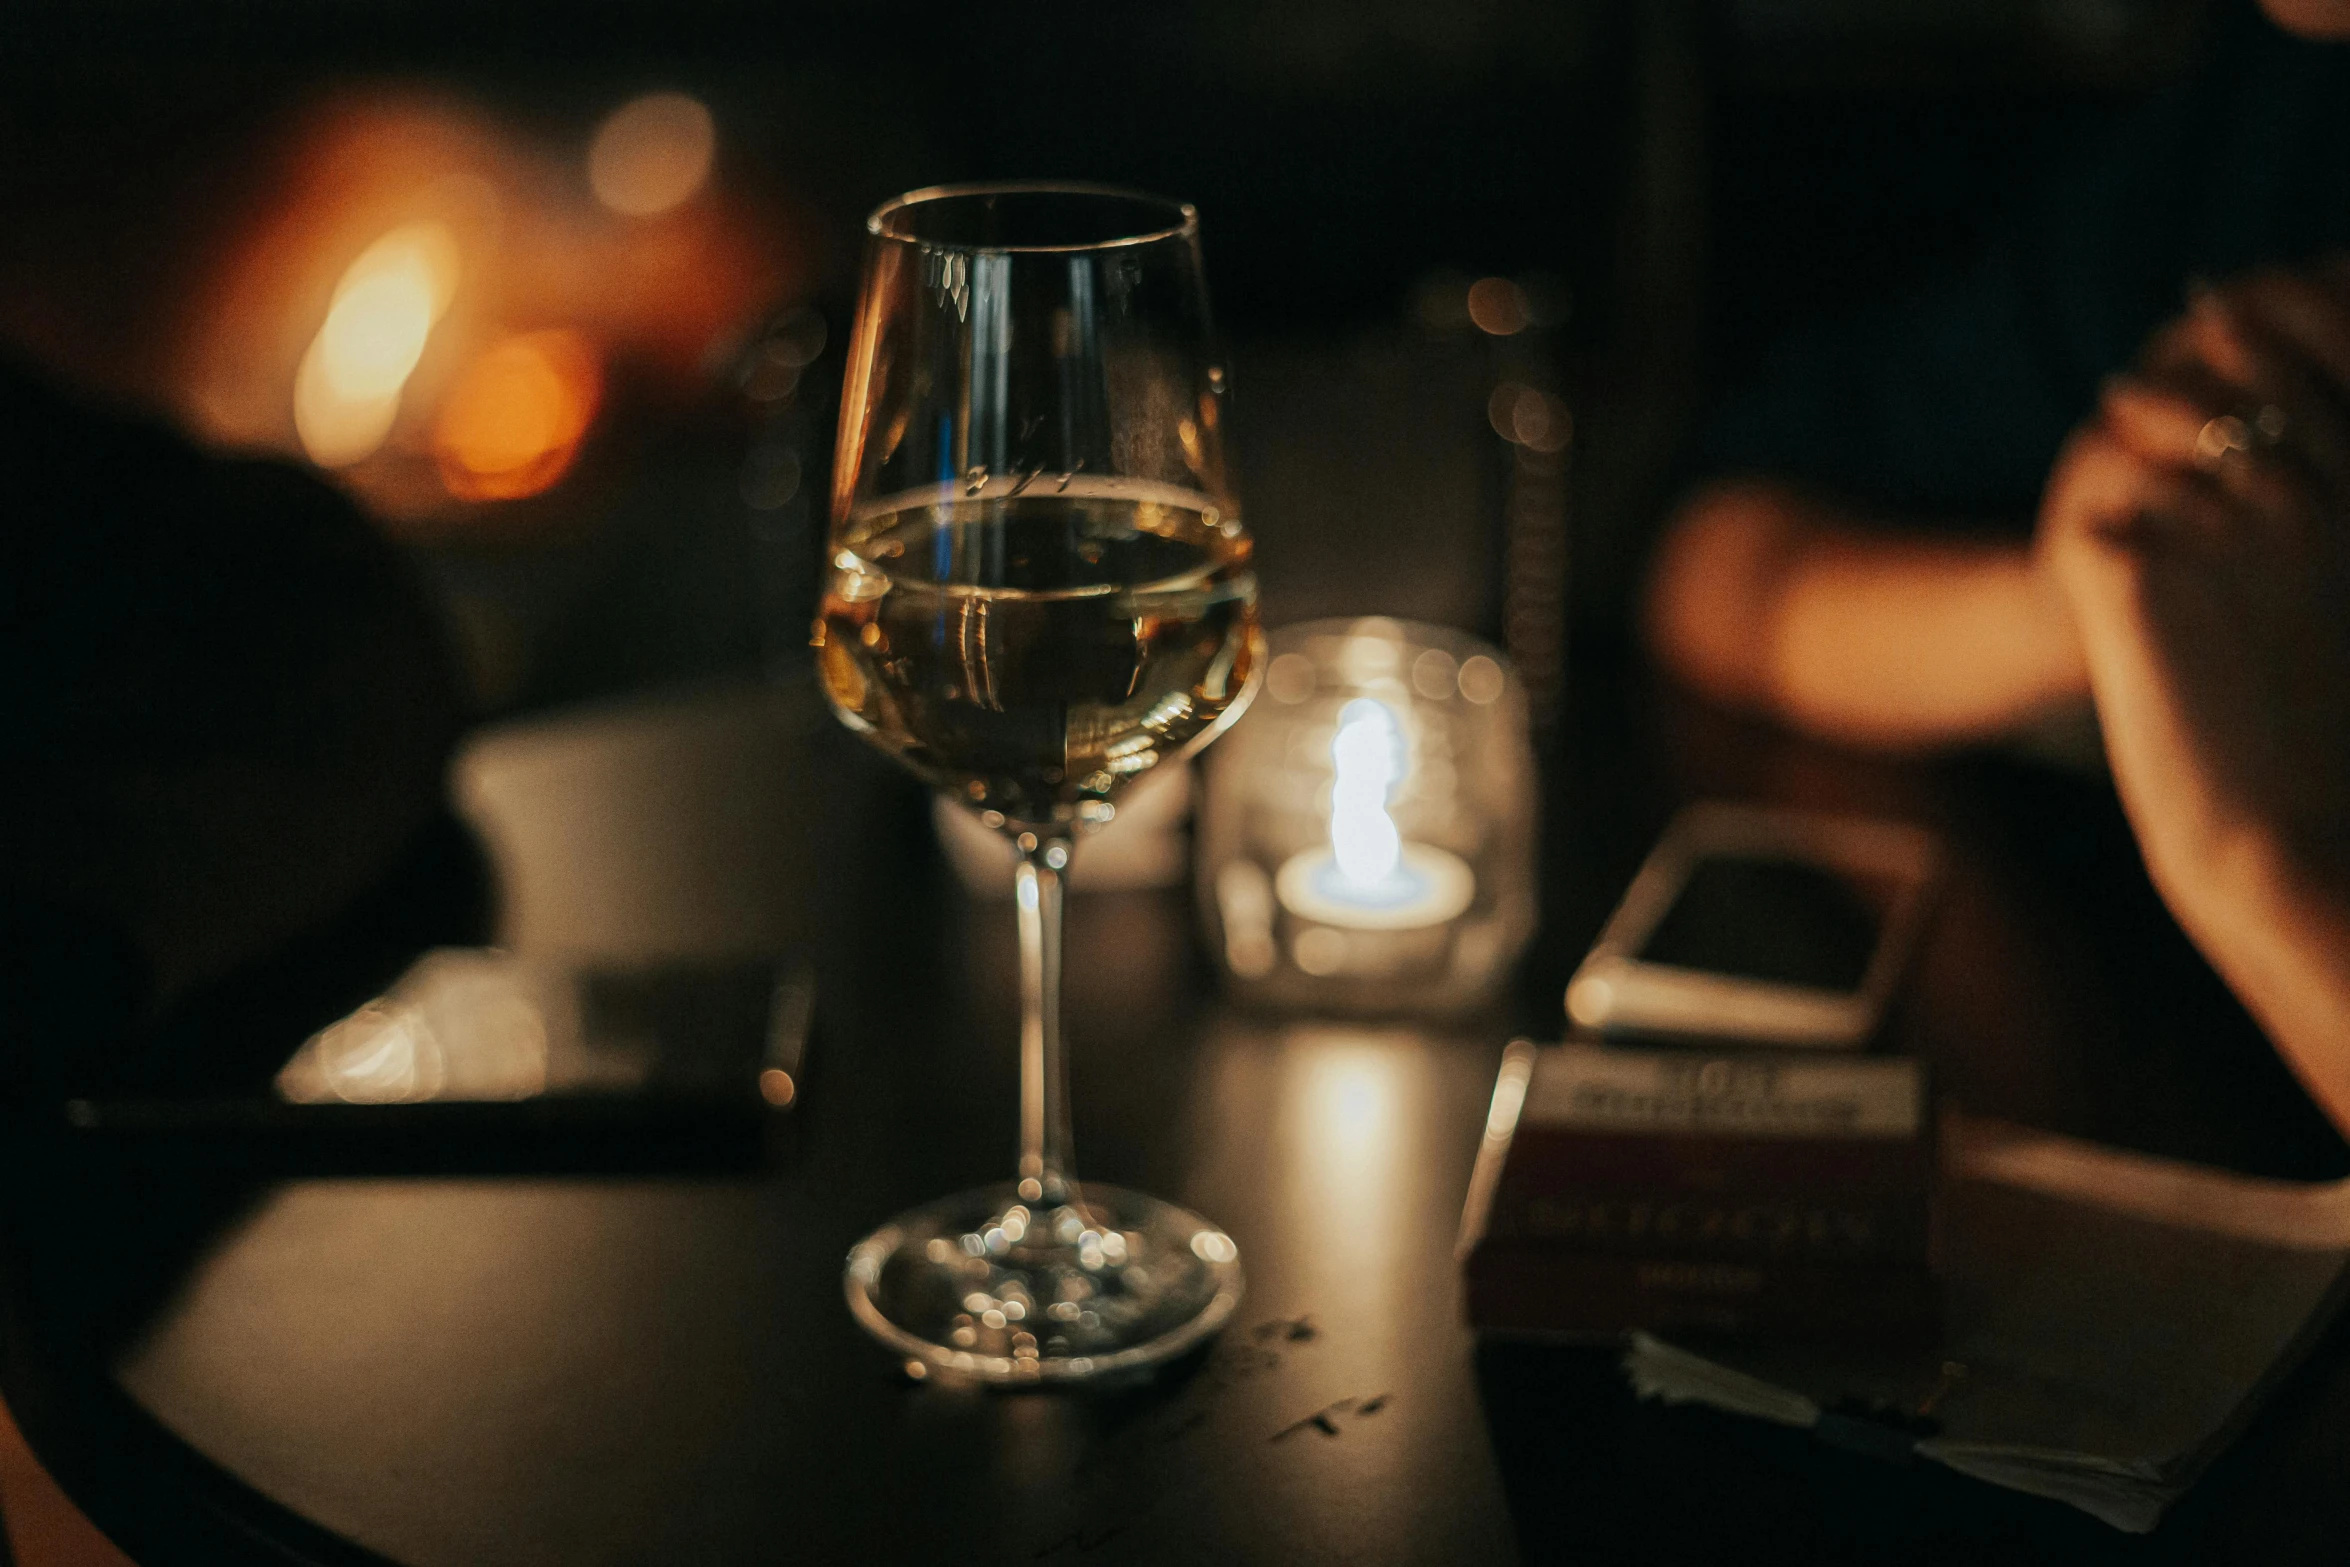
point(478, 1061)
point(1761, 925)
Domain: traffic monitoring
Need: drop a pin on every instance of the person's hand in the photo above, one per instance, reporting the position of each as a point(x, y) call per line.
point(2200, 527)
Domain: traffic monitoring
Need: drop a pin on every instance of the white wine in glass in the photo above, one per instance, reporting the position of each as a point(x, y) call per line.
point(1039, 590)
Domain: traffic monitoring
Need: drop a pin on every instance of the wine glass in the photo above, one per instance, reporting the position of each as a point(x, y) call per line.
point(1039, 590)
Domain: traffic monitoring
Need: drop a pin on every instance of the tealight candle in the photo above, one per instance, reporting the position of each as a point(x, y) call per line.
point(1366, 877)
point(1365, 834)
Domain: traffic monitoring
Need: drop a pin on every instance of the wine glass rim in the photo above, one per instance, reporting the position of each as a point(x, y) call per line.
point(1183, 215)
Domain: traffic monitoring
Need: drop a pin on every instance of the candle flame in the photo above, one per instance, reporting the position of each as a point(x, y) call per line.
point(1368, 754)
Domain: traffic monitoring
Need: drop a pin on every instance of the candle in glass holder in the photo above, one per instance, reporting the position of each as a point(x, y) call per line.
point(1366, 877)
point(1365, 834)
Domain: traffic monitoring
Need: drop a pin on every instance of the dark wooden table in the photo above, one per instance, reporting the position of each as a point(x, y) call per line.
point(455, 1372)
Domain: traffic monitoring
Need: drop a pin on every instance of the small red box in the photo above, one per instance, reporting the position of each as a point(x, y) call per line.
point(1776, 1194)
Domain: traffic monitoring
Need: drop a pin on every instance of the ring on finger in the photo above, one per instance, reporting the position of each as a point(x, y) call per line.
point(2222, 436)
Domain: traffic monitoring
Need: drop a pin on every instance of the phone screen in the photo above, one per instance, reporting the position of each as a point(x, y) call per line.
point(1781, 921)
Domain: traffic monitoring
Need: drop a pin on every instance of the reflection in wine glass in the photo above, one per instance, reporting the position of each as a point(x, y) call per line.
point(1039, 590)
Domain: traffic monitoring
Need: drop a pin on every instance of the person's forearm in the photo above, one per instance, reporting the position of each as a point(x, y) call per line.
point(1899, 642)
point(1766, 600)
point(2276, 925)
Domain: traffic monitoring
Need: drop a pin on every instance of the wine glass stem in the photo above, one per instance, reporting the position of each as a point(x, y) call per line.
point(1044, 1079)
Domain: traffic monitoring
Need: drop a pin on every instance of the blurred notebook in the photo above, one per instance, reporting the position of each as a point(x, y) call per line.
point(2113, 1321)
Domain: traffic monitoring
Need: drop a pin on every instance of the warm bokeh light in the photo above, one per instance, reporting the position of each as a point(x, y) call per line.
point(338, 431)
point(513, 420)
point(1526, 416)
point(347, 391)
point(384, 309)
point(408, 183)
point(1499, 306)
point(652, 154)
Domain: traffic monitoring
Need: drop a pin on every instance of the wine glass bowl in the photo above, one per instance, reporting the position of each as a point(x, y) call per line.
point(1100, 630)
point(1039, 589)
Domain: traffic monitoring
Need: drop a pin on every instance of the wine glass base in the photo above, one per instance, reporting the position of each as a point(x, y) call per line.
point(986, 1286)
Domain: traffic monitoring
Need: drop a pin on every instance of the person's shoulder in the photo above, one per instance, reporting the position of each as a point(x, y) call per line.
point(85, 474)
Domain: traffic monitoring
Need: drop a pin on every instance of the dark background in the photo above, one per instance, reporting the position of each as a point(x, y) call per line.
point(1684, 180)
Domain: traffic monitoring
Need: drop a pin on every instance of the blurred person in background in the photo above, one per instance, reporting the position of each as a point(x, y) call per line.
point(2111, 465)
point(229, 711)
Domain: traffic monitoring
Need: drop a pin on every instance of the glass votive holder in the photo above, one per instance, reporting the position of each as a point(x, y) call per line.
point(1365, 834)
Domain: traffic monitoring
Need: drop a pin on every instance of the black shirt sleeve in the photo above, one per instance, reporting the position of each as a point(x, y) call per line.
point(1950, 400)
